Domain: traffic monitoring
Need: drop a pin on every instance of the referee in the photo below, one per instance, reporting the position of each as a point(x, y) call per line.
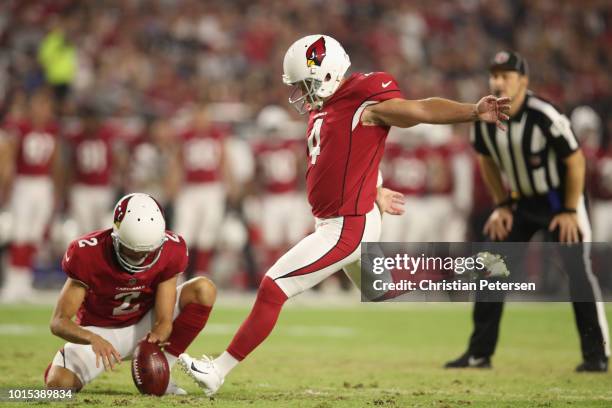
point(540, 158)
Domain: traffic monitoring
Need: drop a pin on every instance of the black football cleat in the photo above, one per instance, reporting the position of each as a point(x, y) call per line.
point(469, 361)
point(593, 366)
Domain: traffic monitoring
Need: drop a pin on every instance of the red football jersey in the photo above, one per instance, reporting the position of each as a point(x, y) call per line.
point(115, 297)
point(93, 157)
point(202, 155)
point(277, 160)
point(405, 171)
point(343, 154)
point(35, 147)
point(602, 180)
point(440, 179)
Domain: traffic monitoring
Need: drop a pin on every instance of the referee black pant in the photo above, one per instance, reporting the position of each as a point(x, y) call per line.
point(531, 216)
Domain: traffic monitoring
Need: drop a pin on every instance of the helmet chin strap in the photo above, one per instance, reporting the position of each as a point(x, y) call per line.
point(136, 262)
point(129, 267)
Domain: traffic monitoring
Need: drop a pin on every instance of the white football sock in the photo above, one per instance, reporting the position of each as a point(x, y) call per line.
point(225, 363)
point(171, 359)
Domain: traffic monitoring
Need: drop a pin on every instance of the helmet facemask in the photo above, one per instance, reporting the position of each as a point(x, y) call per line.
point(132, 264)
point(304, 96)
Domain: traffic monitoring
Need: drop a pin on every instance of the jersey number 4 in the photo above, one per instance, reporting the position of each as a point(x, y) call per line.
point(314, 141)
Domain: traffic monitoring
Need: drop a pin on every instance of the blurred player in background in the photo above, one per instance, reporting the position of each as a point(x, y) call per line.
point(349, 121)
point(405, 171)
point(277, 176)
point(200, 204)
point(588, 127)
point(435, 176)
point(31, 150)
point(92, 163)
point(152, 164)
point(234, 252)
point(122, 286)
point(602, 196)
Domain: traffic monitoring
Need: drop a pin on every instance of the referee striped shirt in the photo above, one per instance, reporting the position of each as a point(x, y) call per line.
point(531, 150)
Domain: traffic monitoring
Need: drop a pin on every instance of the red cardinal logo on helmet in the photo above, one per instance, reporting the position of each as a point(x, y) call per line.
point(120, 210)
point(316, 53)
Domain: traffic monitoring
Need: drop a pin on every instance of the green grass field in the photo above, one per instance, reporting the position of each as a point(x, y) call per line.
point(386, 355)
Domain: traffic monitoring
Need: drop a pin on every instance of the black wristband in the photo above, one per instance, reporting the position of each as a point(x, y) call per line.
point(506, 203)
point(568, 210)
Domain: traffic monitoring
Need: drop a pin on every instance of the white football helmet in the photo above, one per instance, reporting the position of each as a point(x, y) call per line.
point(587, 125)
point(272, 119)
point(139, 226)
point(314, 65)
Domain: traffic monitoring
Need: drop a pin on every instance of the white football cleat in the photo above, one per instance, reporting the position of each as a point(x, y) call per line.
point(494, 264)
point(174, 389)
point(203, 371)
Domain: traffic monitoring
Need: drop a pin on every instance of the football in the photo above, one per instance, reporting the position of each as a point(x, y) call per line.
point(150, 370)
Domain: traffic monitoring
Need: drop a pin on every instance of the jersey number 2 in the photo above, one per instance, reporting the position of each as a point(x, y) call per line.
point(314, 141)
point(126, 307)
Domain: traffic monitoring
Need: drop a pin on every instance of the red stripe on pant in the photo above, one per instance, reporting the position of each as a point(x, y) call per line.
point(350, 238)
point(270, 297)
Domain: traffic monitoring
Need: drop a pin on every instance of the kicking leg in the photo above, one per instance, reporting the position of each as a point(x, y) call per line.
point(333, 245)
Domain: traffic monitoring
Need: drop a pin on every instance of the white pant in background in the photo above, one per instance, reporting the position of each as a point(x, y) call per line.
point(198, 214)
point(31, 208)
point(284, 219)
point(91, 207)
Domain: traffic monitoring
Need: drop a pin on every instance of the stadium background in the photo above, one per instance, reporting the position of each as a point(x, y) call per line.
point(146, 69)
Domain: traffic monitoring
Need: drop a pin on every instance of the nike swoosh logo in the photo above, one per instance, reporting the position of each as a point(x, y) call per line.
point(193, 367)
point(472, 361)
point(386, 84)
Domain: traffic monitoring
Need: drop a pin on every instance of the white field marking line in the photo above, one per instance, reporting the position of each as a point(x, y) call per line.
point(213, 328)
point(22, 329)
point(289, 330)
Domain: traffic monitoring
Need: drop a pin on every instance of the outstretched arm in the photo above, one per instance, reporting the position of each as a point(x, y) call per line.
point(405, 113)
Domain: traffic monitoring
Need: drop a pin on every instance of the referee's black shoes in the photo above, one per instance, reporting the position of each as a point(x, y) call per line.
point(593, 366)
point(469, 361)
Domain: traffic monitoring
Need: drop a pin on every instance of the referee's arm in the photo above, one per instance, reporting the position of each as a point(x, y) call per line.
point(567, 221)
point(499, 224)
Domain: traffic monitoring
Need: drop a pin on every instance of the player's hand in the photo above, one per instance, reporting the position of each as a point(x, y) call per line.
point(492, 109)
point(569, 231)
point(104, 351)
point(390, 202)
point(160, 334)
point(499, 224)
